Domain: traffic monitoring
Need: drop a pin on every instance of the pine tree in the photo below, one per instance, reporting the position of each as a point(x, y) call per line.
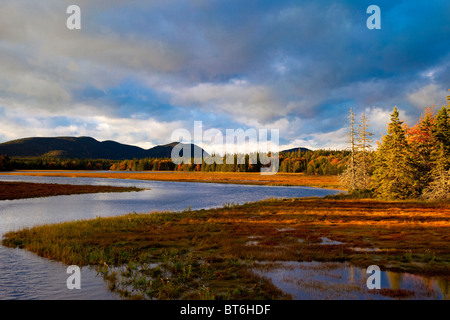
point(392, 175)
point(442, 128)
point(422, 149)
point(439, 187)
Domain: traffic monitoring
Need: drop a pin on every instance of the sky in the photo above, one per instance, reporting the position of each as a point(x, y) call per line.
point(139, 70)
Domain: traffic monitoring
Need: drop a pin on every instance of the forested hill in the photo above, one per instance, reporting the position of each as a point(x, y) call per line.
point(82, 148)
point(295, 150)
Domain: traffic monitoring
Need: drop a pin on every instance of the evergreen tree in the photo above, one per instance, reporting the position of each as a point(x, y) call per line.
point(422, 147)
point(442, 128)
point(5, 163)
point(392, 175)
point(439, 187)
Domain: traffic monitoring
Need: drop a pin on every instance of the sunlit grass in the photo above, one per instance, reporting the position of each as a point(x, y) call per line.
point(205, 254)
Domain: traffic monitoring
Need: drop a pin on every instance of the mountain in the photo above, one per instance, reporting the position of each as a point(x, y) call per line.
point(84, 148)
point(165, 151)
point(296, 150)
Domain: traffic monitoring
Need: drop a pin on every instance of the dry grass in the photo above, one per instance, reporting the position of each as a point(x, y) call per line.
point(279, 179)
point(206, 253)
point(22, 190)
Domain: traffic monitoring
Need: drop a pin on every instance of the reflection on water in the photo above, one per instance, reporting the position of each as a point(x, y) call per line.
point(317, 280)
point(26, 276)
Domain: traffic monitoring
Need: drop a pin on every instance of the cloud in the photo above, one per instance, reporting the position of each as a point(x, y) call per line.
point(427, 96)
point(146, 133)
point(321, 140)
point(236, 98)
point(296, 65)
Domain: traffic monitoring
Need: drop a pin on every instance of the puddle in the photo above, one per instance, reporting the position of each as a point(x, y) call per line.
point(326, 241)
point(253, 242)
point(342, 281)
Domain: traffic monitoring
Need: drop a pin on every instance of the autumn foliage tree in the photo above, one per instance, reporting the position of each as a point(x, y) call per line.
point(414, 161)
point(422, 145)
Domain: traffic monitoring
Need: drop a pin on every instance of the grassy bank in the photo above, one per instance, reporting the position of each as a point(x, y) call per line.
point(22, 190)
point(279, 179)
point(209, 254)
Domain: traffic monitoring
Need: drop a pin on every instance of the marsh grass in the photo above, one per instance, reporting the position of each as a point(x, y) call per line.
point(204, 254)
point(251, 178)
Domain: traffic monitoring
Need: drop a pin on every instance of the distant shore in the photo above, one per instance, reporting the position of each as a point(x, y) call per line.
point(279, 179)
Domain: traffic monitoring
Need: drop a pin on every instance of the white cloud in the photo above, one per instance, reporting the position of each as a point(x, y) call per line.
point(145, 133)
point(243, 101)
point(330, 140)
point(427, 96)
point(378, 120)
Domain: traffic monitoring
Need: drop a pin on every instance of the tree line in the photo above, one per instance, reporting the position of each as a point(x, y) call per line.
point(5, 163)
point(410, 162)
point(318, 162)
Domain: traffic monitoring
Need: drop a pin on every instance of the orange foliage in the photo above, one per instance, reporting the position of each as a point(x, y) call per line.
point(334, 161)
point(421, 132)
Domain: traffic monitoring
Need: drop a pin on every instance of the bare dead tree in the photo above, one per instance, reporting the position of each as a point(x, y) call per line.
point(364, 147)
point(348, 177)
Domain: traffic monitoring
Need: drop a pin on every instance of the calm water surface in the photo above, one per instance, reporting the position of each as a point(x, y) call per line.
point(26, 276)
point(336, 280)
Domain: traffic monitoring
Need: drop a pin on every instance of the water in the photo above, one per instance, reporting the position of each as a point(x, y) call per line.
point(26, 276)
point(333, 280)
